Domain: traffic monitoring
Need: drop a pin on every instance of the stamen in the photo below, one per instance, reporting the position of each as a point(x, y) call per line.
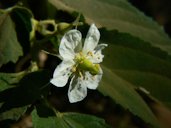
point(90, 53)
point(81, 54)
point(74, 69)
point(93, 77)
point(81, 75)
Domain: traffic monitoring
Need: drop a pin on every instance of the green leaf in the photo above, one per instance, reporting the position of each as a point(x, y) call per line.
point(130, 62)
point(136, 57)
point(138, 62)
point(10, 48)
point(22, 19)
point(31, 87)
point(13, 114)
point(123, 93)
point(120, 15)
point(130, 65)
point(157, 85)
point(68, 120)
point(8, 80)
point(129, 41)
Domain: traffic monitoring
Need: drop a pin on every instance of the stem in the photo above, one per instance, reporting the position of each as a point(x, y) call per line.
point(57, 113)
point(22, 62)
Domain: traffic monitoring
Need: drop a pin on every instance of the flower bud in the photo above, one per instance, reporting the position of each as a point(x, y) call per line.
point(63, 27)
point(47, 27)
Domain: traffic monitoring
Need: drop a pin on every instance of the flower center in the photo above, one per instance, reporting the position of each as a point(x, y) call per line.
point(84, 64)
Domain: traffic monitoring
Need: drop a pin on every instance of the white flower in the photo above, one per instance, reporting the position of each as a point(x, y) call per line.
point(79, 63)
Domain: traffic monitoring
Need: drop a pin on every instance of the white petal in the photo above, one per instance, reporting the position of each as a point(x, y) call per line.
point(92, 39)
point(91, 81)
point(62, 73)
point(96, 56)
point(100, 47)
point(70, 42)
point(77, 90)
